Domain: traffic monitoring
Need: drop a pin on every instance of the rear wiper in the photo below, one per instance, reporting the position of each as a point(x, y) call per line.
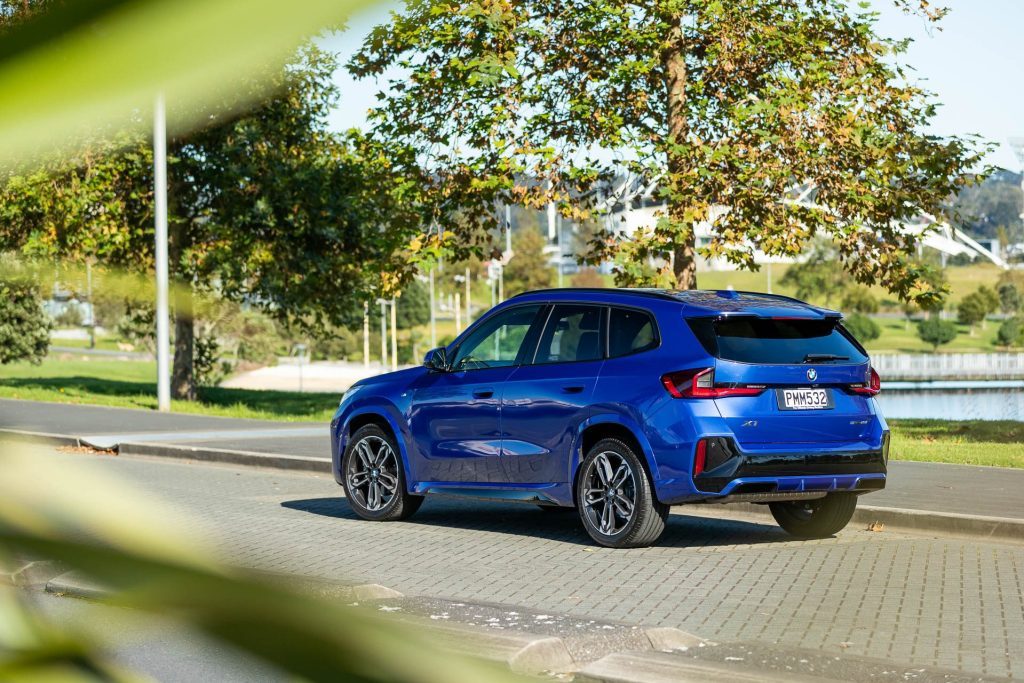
point(823, 357)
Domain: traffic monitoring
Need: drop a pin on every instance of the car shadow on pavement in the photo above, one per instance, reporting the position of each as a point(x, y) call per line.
point(682, 531)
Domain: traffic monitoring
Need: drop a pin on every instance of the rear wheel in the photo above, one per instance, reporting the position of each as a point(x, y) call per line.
point(818, 518)
point(374, 480)
point(616, 500)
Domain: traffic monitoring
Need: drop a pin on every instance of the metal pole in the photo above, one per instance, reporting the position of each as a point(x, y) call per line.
point(92, 306)
point(366, 334)
point(163, 333)
point(458, 313)
point(383, 335)
point(469, 299)
point(501, 283)
point(394, 335)
point(433, 319)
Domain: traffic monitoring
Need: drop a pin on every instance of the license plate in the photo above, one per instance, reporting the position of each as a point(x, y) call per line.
point(804, 399)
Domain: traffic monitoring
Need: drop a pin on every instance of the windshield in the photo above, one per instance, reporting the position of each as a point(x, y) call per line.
point(748, 339)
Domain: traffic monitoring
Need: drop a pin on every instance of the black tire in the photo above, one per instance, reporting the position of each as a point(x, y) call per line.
point(556, 509)
point(645, 524)
point(392, 502)
point(817, 518)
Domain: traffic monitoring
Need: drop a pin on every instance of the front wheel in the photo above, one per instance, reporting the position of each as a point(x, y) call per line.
point(818, 518)
point(615, 498)
point(374, 479)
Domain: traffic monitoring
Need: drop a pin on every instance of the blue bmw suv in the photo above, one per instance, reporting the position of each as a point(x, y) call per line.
point(621, 403)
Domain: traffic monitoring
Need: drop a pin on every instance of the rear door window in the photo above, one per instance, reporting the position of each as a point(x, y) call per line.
point(573, 333)
point(749, 339)
point(631, 331)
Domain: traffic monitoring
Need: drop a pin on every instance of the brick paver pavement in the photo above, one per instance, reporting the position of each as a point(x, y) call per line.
point(908, 599)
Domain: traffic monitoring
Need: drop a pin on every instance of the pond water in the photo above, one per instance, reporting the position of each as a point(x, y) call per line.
point(953, 400)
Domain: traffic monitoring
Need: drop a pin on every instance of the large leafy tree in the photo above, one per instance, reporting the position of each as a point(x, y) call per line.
point(743, 104)
point(266, 207)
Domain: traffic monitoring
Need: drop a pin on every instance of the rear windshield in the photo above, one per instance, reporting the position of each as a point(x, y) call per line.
point(767, 340)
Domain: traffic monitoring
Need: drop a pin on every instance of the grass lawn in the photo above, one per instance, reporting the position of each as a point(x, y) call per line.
point(975, 442)
point(898, 337)
point(65, 378)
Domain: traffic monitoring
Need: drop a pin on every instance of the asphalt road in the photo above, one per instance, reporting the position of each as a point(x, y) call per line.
point(911, 600)
point(959, 489)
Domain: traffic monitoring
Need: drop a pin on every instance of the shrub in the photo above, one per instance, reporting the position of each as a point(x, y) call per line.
point(24, 325)
point(70, 316)
point(860, 300)
point(972, 310)
point(1011, 332)
point(936, 332)
point(863, 328)
point(1009, 298)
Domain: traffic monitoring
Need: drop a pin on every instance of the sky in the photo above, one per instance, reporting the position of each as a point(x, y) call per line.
point(974, 65)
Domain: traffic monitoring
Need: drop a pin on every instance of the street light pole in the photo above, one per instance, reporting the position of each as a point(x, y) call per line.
point(366, 334)
point(433, 319)
point(383, 334)
point(394, 335)
point(163, 336)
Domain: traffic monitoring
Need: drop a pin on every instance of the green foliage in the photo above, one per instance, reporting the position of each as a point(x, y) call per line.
point(988, 298)
point(529, 268)
point(138, 325)
point(413, 306)
point(1009, 298)
point(859, 299)
point(863, 328)
point(817, 277)
point(207, 365)
point(725, 104)
point(1011, 332)
point(86, 66)
point(936, 332)
point(24, 325)
point(972, 310)
point(83, 519)
point(266, 207)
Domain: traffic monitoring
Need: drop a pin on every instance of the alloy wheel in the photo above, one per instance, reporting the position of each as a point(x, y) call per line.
point(373, 473)
point(609, 494)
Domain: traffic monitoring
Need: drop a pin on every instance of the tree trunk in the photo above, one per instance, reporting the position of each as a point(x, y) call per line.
point(674, 62)
point(182, 377)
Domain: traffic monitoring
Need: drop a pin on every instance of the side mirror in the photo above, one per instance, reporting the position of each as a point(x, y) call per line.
point(436, 359)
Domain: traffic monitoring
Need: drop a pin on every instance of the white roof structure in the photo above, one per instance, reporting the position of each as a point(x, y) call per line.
point(632, 203)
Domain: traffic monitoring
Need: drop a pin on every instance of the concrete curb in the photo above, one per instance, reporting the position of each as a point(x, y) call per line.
point(38, 437)
point(523, 653)
point(659, 667)
point(975, 526)
point(223, 455)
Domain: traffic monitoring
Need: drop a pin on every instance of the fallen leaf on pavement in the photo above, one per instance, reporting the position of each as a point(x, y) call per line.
point(876, 526)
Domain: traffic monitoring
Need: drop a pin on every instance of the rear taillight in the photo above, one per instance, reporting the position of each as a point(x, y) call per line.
point(871, 387)
point(700, 457)
point(701, 384)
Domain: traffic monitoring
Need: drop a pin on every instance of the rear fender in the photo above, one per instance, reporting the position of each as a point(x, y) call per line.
point(632, 425)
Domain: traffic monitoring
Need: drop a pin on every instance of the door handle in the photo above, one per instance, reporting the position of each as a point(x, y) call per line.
point(575, 389)
point(483, 393)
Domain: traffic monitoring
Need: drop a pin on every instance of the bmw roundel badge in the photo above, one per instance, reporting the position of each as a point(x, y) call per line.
point(812, 374)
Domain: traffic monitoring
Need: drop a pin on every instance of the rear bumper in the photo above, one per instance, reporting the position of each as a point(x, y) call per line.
point(751, 476)
point(786, 468)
